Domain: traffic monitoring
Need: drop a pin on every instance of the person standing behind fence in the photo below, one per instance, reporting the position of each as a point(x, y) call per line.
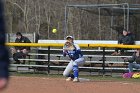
point(4, 54)
point(20, 51)
point(74, 52)
point(125, 39)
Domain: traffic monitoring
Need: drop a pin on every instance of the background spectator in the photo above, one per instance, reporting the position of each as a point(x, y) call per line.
point(134, 61)
point(20, 51)
point(125, 39)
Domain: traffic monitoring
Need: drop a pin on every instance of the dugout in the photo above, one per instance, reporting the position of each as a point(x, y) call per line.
point(106, 21)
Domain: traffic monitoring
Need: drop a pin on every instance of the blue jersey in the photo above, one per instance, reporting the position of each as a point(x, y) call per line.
point(74, 54)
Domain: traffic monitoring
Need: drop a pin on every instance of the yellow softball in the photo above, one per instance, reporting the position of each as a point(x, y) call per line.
point(54, 30)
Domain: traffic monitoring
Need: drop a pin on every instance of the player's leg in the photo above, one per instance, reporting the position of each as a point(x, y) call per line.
point(76, 73)
point(76, 63)
point(79, 61)
point(68, 70)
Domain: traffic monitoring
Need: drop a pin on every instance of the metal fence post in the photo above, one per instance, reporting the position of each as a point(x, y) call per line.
point(103, 61)
point(48, 60)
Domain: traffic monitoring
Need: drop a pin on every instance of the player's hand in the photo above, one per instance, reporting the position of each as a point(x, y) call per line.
point(3, 83)
point(68, 46)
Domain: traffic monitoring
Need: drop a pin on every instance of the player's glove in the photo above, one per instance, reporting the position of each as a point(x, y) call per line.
point(68, 46)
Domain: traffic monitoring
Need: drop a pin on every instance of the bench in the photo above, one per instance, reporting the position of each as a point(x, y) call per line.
point(59, 61)
point(90, 58)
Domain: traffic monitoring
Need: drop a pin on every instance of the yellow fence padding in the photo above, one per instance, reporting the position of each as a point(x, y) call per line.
point(81, 45)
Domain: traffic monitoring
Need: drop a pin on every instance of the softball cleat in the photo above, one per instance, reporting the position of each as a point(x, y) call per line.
point(69, 79)
point(76, 79)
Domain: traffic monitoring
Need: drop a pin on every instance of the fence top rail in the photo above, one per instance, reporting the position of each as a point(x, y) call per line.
point(95, 43)
point(82, 43)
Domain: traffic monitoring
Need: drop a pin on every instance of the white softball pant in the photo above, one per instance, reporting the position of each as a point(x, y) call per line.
point(69, 67)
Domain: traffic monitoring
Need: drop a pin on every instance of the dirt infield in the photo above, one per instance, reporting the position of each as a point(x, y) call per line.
point(59, 85)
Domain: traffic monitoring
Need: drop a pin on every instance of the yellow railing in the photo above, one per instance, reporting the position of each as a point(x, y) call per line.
point(36, 44)
point(115, 46)
point(81, 45)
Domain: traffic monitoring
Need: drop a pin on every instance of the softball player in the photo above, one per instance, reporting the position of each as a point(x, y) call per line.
point(74, 52)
